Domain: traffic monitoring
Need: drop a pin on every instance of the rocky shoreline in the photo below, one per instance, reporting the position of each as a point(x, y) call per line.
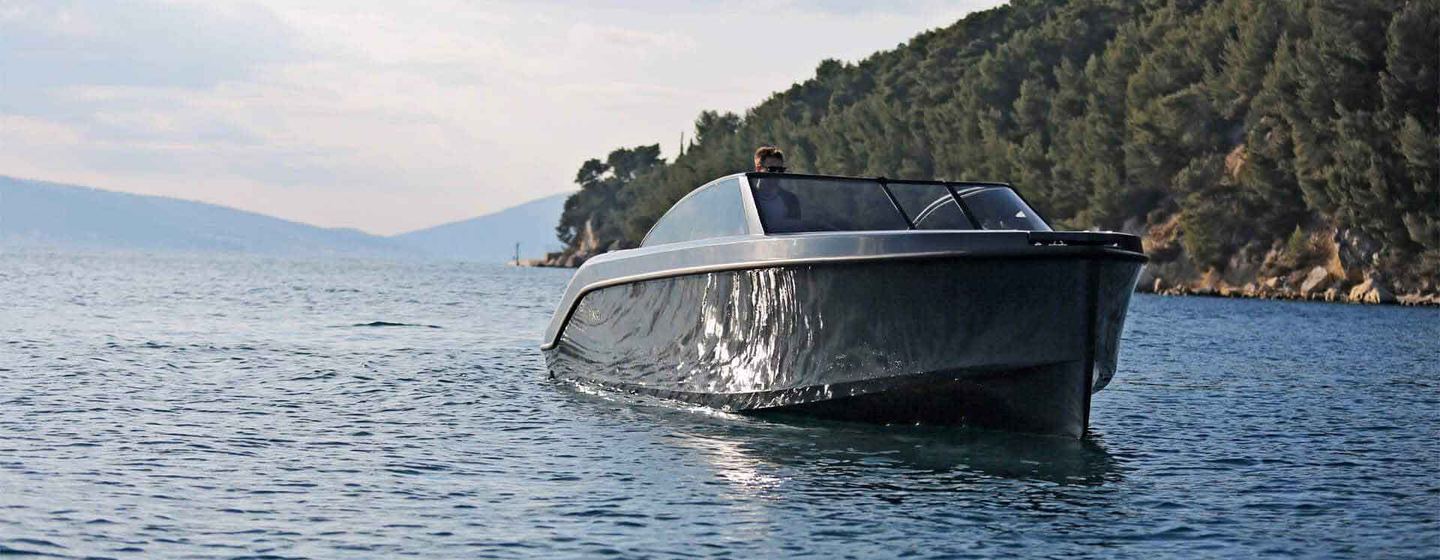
point(1323, 263)
point(585, 246)
point(1366, 292)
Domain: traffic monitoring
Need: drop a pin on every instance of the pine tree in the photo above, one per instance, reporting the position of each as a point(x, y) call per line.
point(1244, 119)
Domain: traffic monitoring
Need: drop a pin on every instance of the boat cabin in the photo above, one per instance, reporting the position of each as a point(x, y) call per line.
point(788, 203)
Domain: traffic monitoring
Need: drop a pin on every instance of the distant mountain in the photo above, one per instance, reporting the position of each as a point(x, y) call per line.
point(44, 214)
point(492, 237)
point(51, 214)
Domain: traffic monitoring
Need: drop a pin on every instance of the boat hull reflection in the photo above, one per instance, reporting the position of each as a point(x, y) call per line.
point(1009, 343)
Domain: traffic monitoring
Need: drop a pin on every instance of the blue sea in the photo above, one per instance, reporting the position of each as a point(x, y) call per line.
point(228, 406)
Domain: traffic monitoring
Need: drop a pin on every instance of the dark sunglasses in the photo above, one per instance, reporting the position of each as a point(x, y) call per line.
point(775, 169)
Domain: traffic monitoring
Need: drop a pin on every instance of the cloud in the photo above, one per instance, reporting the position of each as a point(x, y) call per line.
point(37, 131)
point(389, 116)
point(634, 41)
point(138, 43)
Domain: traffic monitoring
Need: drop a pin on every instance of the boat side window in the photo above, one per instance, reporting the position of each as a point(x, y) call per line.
point(714, 210)
point(802, 204)
point(930, 206)
point(1001, 208)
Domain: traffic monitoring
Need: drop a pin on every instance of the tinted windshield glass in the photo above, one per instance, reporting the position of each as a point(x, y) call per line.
point(930, 206)
point(713, 211)
point(792, 204)
point(1001, 208)
point(796, 204)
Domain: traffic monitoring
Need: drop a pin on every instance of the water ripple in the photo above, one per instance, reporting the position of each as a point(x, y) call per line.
point(160, 406)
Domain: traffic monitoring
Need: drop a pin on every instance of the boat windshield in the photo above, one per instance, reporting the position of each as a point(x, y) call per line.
point(800, 203)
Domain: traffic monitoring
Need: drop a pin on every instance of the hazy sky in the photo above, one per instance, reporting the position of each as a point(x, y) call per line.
point(389, 116)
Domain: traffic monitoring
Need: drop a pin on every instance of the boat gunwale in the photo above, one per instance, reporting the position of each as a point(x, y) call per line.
point(1014, 250)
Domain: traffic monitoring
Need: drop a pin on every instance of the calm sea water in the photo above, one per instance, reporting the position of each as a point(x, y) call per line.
point(232, 406)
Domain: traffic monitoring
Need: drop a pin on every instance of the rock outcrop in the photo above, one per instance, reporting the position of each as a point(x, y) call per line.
point(1325, 265)
point(584, 247)
point(1317, 280)
point(1371, 291)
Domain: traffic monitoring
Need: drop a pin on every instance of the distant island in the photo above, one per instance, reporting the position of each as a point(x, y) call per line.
point(39, 214)
point(1262, 149)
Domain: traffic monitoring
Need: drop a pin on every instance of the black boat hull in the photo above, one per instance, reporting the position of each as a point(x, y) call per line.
point(1002, 342)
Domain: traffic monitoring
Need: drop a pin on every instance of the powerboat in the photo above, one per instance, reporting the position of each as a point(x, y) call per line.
point(870, 299)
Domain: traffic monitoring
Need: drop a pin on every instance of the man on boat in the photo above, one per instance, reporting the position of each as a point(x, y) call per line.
point(781, 207)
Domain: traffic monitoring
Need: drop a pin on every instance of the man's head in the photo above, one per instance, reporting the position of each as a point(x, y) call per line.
point(770, 158)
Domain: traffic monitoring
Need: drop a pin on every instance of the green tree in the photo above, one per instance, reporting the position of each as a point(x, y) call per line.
point(1244, 120)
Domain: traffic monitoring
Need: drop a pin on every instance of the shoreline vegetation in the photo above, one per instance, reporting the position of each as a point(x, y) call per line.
point(1267, 149)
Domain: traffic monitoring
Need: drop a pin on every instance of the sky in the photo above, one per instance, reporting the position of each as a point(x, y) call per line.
point(390, 116)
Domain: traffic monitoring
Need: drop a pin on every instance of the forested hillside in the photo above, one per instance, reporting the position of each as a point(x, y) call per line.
point(1272, 147)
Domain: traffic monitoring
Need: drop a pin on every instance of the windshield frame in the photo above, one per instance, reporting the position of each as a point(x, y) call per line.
point(958, 191)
